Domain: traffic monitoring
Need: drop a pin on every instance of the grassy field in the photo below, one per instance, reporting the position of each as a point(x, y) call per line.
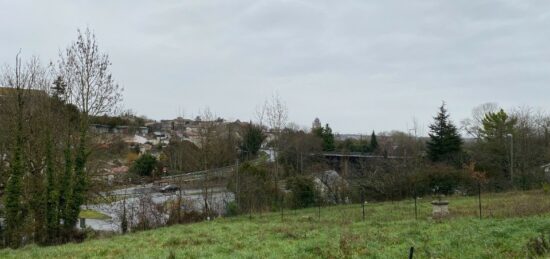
point(92, 214)
point(390, 229)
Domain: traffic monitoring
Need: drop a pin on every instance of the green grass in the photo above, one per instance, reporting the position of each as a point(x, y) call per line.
point(92, 214)
point(389, 231)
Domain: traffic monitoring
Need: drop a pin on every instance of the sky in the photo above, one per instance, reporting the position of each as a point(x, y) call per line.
point(358, 65)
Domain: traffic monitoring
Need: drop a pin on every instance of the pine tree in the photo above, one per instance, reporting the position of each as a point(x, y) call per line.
point(444, 138)
point(328, 139)
point(373, 146)
point(325, 134)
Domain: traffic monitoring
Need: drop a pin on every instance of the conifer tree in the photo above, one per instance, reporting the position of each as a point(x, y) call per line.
point(444, 138)
point(373, 145)
point(328, 139)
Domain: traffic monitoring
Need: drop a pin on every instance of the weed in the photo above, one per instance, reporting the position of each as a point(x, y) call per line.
point(538, 246)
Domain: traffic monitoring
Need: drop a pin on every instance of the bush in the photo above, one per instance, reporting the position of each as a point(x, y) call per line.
point(144, 165)
point(546, 188)
point(303, 191)
point(256, 189)
point(231, 209)
point(538, 246)
point(442, 178)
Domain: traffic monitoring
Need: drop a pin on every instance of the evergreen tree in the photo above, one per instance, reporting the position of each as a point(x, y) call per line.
point(445, 142)
point(373, 145)
point(144, 165)
point(325, 134)
point(253, 138)
point(495, 131)
point(328, 139)
point(497, 126)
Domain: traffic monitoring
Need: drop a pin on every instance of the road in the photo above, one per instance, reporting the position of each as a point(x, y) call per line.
point(143, 199)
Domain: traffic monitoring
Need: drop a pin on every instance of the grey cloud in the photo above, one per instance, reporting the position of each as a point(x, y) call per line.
point(359, 65)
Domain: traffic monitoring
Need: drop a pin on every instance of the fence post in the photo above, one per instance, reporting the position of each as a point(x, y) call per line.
point(479, 197)
point(363, 203)
point(415, 207)
point(282, 212)
point(319, 211)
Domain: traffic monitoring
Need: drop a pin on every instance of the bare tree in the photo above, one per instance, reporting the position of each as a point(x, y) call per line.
point(473, 125)
point(85, 70)
point(277, 116)
point(91, 88)
point(276, 113)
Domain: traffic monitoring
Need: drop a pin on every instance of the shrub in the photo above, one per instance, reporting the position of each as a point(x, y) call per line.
point(546, 188)
point(445, 179)
point(231, 209)
point(144, 165)
point(303, 191)
point(538, 246)
point(256, 189)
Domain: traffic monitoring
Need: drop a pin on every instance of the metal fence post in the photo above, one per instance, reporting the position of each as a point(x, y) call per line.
point(415, 207)
point(363, 203)
point(479, 197)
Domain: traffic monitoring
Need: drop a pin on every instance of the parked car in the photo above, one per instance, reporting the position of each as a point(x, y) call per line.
point(169, 188)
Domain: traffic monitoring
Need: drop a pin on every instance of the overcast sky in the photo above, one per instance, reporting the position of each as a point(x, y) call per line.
point(358, 65)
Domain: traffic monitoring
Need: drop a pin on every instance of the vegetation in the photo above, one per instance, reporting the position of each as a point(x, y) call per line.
point(253, 137)
point(144, 165)
point(47, 173)
point(326, 135)
point(48, 178)
point(511, 226)
point(303, 192)
point(445, 142)
point(92, 214)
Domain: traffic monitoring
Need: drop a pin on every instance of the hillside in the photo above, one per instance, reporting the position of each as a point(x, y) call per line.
point(389, 230)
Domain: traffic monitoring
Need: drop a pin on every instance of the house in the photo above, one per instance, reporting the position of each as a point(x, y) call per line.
point(143, 130)
point(153, 126)
point(120, 130)
point(166, 125)
point(99, 129)
point(160, 138)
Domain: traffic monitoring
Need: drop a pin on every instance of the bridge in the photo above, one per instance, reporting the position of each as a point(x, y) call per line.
point(358, 155)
